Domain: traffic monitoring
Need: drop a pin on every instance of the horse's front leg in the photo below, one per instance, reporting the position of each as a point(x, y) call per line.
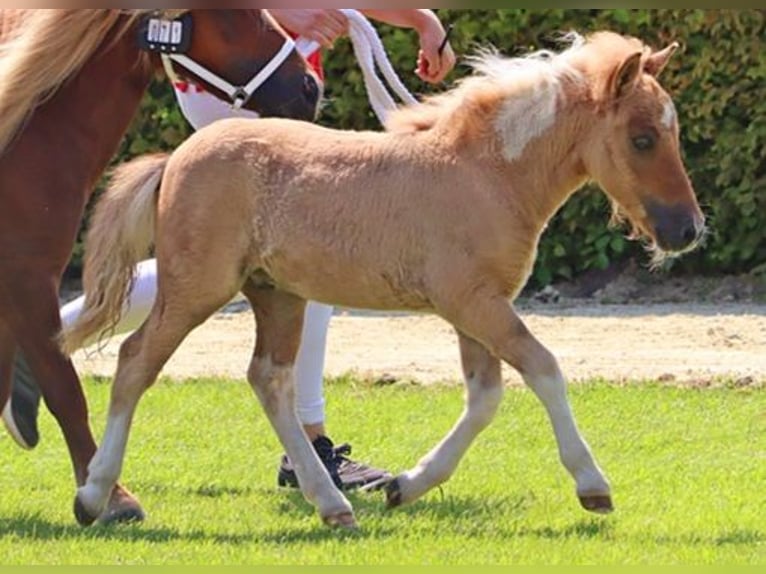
point(484, 391)
point(279, 322)
point(494, 322)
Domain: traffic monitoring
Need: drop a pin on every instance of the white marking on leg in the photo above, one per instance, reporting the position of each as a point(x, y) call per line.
point(105, 467)
point(440, 464)
point(274, 387)
point(573, 450)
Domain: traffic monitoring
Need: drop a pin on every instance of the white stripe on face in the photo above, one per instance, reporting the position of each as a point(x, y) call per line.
point(669, 115)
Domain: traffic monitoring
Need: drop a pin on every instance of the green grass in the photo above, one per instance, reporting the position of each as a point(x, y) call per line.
point(688, 469)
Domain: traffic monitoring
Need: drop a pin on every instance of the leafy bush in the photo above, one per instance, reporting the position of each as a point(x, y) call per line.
point(717, 81)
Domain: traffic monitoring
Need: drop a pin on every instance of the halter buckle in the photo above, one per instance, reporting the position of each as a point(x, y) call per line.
point(240, 98)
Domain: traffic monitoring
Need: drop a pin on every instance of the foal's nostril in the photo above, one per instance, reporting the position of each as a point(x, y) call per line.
point(689, 234)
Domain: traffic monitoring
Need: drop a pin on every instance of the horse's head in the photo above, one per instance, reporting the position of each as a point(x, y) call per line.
point(248, 50)
point(634, 153)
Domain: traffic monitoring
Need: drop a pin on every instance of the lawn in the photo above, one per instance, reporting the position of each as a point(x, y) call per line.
point(688, 469)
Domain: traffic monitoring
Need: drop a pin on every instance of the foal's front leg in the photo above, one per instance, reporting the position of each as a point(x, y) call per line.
point(484, 391)
point(494, 322)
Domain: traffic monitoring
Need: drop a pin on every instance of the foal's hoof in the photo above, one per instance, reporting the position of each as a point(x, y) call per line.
point(122, 508)
point(122, 515)
point(600, 504)
point(393, 494)
point(84, 518)
point(344, 520)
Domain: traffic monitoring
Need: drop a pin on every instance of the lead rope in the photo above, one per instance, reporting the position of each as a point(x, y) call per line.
point(370, 53)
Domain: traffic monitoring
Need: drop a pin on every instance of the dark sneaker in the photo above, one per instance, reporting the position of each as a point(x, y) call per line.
point(345, 473)
point(20, 412)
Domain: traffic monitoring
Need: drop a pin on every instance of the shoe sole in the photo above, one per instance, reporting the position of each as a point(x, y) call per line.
point(368, 486)
point(12, 429)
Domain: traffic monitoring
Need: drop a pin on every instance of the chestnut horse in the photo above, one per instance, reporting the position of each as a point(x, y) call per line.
point(70, 82)
point(441, 214)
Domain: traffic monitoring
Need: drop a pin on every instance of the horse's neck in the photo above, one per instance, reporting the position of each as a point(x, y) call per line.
point(93, 110)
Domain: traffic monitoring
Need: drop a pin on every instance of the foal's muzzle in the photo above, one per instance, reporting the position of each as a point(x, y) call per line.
point(677, 228)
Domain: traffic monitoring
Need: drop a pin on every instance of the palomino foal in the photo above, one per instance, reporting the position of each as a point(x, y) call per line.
point(442, 214)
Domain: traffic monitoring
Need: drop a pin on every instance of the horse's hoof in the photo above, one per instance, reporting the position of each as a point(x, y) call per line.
point(600, 504)
point(84, 518)
point(344, 520)
point(122, 508)
point(393, 494)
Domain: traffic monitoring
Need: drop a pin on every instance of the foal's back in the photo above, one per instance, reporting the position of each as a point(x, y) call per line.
point(303, 197)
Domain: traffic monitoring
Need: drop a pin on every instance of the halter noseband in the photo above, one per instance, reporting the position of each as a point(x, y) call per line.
point(239, 95)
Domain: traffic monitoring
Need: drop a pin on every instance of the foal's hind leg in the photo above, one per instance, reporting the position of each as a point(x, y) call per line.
point(484, 388)
point(279, 321)
point(142, 357)
point(494, 322)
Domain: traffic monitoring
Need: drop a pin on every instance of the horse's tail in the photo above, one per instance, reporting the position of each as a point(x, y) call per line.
point(120, 235)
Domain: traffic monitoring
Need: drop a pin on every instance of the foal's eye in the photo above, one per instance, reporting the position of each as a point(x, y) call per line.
point(643, 143)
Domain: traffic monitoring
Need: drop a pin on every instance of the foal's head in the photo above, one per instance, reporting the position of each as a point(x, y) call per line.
point(633, 152)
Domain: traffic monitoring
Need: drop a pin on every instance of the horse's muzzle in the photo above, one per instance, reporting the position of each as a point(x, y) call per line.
point(305, 105)
point(311, 89)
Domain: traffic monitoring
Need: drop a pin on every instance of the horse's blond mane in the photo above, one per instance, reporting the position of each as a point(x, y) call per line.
point(495, 76)
point(49, 48)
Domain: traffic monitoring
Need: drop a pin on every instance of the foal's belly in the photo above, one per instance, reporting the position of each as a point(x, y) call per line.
point(354, 288)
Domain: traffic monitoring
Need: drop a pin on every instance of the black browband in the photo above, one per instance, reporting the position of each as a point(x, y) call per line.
point(160, 35)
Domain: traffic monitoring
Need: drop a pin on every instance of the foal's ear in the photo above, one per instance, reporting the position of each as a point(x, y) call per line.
point(626, 77)
point(657, 61)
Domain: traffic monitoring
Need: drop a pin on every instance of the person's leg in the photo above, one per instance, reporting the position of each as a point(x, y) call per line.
point(20, 414)
point(310, 406)
point(309, 369)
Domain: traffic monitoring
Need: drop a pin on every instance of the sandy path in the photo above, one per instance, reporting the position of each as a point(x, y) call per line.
point(694, 343)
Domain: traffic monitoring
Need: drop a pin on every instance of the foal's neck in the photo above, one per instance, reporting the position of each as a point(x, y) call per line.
point(551, 169)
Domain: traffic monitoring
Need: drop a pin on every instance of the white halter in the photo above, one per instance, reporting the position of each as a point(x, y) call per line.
point(369, 51)
point(239, 95)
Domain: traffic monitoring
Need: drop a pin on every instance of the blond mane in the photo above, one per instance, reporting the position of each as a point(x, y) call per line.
point(49, 48)
point(497, 79)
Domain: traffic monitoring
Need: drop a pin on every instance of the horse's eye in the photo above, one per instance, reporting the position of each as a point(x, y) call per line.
point(643, 143)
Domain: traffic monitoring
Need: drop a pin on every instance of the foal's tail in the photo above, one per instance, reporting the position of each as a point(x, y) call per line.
point(120, 235)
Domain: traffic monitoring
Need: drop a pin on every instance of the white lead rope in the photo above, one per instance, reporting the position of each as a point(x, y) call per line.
point(370, 53)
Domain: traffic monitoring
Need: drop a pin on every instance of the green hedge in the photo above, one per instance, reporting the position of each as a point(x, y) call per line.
point(718, 81)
